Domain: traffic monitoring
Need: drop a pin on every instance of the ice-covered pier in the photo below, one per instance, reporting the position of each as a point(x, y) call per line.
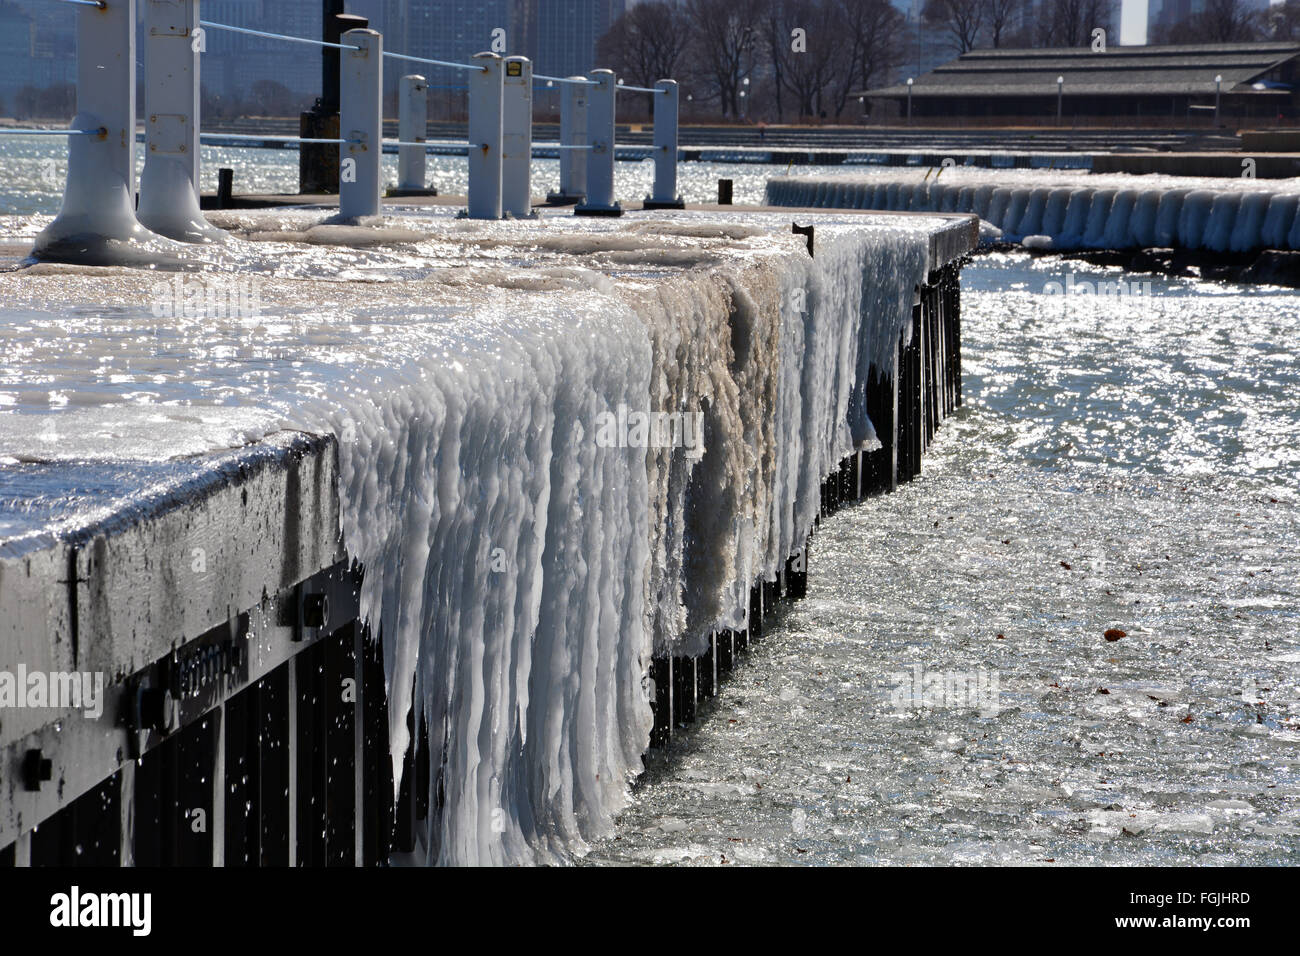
point(1070, 211)
point(343, 542)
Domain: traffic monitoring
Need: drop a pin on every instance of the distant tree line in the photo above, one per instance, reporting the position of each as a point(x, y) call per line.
point(1233, 21)
point(52, 102)
point(979, 24)
point(759, 59)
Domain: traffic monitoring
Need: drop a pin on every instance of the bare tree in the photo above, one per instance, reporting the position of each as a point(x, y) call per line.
point(647, 43)
point(876, 42)
point(1221, 21)
point(962, 20)
point(725, 38)
point(1001, 20)
point(1284, 21)
point(1071, 22)
point(806, 68)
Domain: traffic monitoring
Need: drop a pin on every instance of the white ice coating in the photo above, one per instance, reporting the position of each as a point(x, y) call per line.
point(1074, 210)
point(520, 574)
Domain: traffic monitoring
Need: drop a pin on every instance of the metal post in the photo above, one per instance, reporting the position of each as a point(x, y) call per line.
point(126, 814)
point(665, 195)
point(23, 850)
point(485, 91)
point(99, 197)
point(412, 127)
point(217, 819)
point(169, 195)
point(1060, 90)
point(291, 747)
point(600, 158)
point(360, 120)
point(1218, 83)
point(909, 101)
point(318, 168)
point(573, 132)
point(517, 137)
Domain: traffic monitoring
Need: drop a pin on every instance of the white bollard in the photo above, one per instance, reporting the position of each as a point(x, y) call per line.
point(664, 195)
point(99, 196)
point(600, 158)
point(169, 194)
point(485, 90)
point(360, 120)
point(412, 127)
point(573, 132)
point(517, 137)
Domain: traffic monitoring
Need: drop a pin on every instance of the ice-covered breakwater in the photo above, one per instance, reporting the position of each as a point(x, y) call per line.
point(521, 573)
point(1076, 211)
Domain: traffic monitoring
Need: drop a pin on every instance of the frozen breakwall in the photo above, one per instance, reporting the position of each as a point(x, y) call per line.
point(435, 524)
point(1076, 211)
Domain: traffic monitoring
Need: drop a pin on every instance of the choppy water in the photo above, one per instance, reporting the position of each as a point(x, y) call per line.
point(1124, 461)
point(33, 168)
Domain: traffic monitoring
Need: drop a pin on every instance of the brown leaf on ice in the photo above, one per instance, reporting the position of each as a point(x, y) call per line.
point(1188, 719)
point(1102, 690)
point(1114, 634)
point(1066, 566)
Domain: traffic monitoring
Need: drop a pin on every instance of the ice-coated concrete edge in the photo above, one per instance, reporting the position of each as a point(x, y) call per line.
point(116, 595)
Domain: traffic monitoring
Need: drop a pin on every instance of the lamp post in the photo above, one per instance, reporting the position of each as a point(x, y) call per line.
point(1218, 83)
point(1060, 91)
point(909, 101)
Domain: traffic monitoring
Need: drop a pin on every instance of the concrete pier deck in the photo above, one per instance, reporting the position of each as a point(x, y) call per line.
point(213, 589)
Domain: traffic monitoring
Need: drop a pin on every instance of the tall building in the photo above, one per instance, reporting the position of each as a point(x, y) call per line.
point(566, 33)
point(234, 62)
point(37, 47)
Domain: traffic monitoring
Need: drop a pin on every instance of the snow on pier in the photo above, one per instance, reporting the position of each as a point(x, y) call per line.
point(525, 553)
point(1076, 211)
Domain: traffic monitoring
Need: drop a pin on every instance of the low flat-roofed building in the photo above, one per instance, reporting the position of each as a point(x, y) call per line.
point(1257, 81)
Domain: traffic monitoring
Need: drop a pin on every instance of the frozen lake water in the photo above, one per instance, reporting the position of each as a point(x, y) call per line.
point(1123, 462)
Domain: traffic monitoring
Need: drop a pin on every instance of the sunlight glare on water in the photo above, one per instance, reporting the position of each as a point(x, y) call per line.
point(1123, 461)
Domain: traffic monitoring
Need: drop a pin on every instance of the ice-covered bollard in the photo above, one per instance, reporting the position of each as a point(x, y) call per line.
point(664, 195)
point(169, 195)
point(412, 126)
point(573, 132)
point(360, 123)
point(485, 90)
point(517, 137)
point(99, 197)
point(600, 158)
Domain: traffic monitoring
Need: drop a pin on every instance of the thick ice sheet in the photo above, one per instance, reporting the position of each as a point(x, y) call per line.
point(520, 572)
point(1075, 210)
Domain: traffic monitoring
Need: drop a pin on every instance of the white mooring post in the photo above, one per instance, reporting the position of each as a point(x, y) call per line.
point(360, 124)
point(517, 137)
point(412, 127)
point(600, 158)
point(573, 132)
point(665, 195)
point(485, 91)
point(169, 194)
point(99, 196)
